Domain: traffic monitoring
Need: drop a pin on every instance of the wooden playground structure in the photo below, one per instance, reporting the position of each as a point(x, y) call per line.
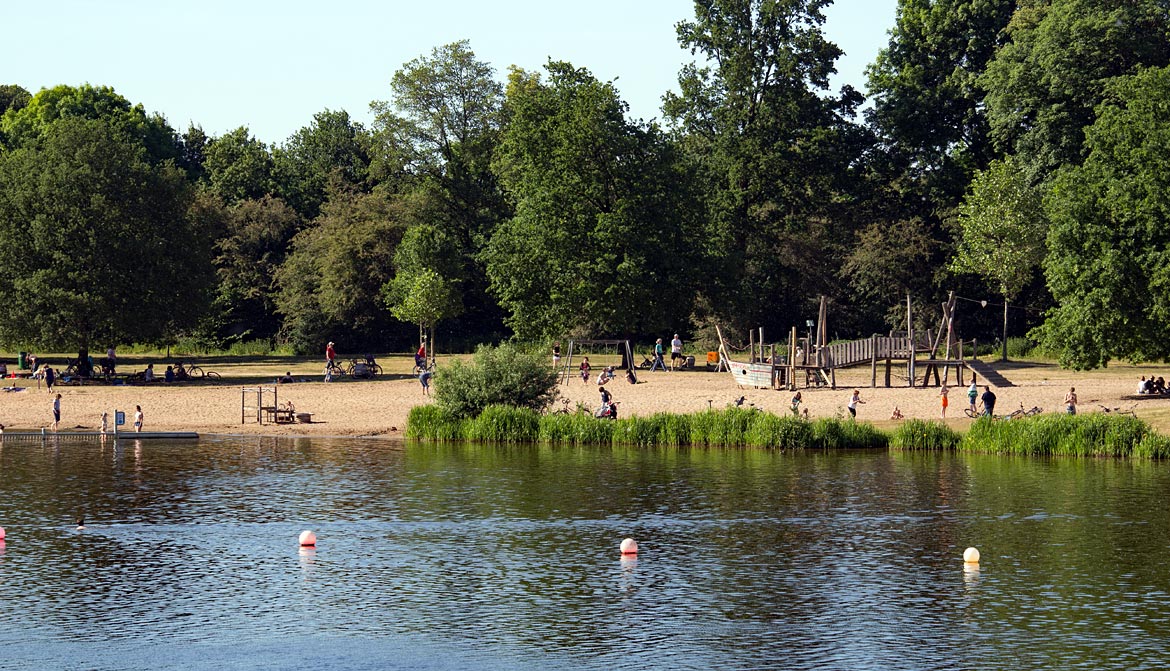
point(811, 361)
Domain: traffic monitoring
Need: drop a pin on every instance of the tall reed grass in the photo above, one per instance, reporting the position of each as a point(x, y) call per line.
point(1095, 435)
point(917, 434)
point(733, 427)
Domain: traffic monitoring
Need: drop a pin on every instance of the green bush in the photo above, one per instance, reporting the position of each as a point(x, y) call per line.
point(917, 434)
point(501, 375)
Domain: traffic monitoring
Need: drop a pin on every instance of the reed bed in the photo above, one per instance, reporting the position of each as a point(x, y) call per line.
point(917, 434)
point(733, 427)
point(1079, 435)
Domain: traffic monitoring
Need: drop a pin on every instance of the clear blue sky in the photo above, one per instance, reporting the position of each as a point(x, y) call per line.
point(272, 64)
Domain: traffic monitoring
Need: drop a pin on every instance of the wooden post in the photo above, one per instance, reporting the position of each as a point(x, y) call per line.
point(792, 358)
point(1005, 302)
point(913, 348)
point(873, 361)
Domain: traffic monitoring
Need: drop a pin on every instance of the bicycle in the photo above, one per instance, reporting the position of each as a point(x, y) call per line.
point(192, 372)
point(334, 369)
point(363, 368)
point(428, 364)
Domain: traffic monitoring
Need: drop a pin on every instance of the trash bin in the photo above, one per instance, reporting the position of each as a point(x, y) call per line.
point(22, 360)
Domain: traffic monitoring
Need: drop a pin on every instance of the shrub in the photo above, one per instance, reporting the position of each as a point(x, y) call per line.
point(501, 375)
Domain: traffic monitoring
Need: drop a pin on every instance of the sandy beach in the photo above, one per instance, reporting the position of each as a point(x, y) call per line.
point(379, 407)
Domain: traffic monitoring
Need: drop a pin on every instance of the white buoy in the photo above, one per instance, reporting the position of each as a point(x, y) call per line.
point(308, 539)
point(629, 547)
point(971, 556)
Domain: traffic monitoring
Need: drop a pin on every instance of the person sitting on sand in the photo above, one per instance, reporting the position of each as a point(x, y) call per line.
point(169, 375)
point(605, 375)
point(1143, 386)
point(897, 413)
point(631, 377)
point(287, 378)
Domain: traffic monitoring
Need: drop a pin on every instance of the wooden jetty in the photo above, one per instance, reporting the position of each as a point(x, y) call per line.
point(44, 435)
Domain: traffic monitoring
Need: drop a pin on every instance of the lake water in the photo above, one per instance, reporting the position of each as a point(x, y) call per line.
point(466, 557)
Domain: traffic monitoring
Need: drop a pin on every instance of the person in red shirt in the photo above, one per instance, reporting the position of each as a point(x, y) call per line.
point(330, 354)
point(420, 357)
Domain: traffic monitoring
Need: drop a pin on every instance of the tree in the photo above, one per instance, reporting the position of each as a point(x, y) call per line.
point(248, 255)
point(13, 97)
point(1002, 226)
point(602, 237)
point(421, 297)
point(442, 127)
point(107, 251)
point(1108, 264)
point(333, 149)
point(238, 166)
point(1044, 84)
point(776, 152)
point(23, 126)
point(332, 277)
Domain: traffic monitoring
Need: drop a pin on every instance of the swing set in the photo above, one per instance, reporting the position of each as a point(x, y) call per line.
point(586, 348)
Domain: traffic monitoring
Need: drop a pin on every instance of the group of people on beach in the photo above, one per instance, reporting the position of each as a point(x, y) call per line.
point(1152, 386)
point(104, 426)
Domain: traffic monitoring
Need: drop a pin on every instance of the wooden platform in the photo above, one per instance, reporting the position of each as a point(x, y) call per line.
point(97, 435)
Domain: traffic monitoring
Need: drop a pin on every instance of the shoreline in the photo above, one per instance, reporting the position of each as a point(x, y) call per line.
point(379, 408)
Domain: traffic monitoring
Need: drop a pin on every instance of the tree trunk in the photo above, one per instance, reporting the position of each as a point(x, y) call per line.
point(1005, 306)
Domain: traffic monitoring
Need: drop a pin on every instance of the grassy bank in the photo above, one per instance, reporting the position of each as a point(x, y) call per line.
point(1080, 435)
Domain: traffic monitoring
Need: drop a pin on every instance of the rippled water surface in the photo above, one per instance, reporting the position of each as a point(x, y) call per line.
point(466, 557)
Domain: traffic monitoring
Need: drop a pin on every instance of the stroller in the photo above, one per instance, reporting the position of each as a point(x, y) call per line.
point(607, 411)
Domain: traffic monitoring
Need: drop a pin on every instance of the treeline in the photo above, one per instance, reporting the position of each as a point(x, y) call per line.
point(1013, 147)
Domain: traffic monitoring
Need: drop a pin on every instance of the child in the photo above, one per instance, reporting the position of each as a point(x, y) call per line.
point(853, 401)
point(796, 404)
point(897, 413)
point(585, 368)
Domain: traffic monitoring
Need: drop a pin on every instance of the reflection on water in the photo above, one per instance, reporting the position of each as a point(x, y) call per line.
point(483, 557)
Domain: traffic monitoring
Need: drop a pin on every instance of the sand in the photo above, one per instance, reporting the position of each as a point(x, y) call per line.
point(379, 407)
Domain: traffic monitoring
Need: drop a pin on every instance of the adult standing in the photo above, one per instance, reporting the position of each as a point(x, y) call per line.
point(330, 355)
point(853, 401)
point(556, 354)
point(972, 394)
point(943, 393)
point(111, 359)
point(50, 377)
point(420, 356)
point(138, 418)
point(56, 411)
point(676, 354)
point(1070, 401)
point(988, 402)
point(658, 361)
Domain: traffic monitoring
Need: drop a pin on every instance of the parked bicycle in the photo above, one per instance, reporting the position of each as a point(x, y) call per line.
point(363, 368)
point(184, 371)
point(429, 364)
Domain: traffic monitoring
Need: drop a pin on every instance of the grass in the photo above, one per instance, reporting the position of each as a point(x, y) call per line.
point(1094, 435)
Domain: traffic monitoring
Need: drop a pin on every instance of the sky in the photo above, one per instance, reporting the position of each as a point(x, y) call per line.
point(271, 65)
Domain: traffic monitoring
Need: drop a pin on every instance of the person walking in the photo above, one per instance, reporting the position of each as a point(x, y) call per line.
point(943, 393)
point(138, 418)
point(56, 411)
point(853, 401)
point(676, 355)
point(105, 428)
point(330, 355)
point(1070, 401)
point(972, 394)
point(988, 402)
point(658, 353)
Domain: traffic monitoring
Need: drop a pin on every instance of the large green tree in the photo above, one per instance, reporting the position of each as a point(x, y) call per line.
point(238, 166)
point(775, 149)
point(103, 248)
point(331, 152)
point(1044, 84)
point(331, 281)
point(25, 125)
point(602, 238)
point(1108, 265)
point(441, 127)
